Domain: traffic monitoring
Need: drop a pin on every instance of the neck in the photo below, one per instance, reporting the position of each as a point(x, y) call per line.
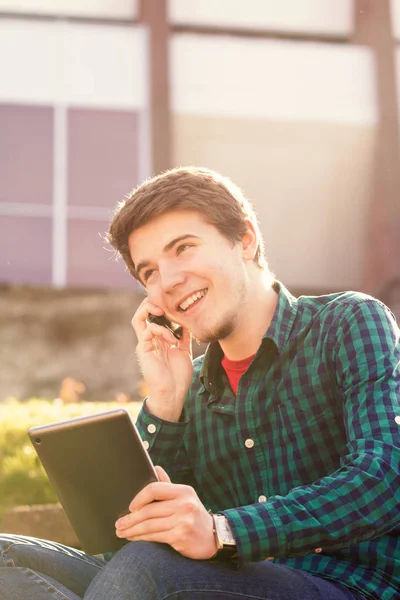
point(253, 321)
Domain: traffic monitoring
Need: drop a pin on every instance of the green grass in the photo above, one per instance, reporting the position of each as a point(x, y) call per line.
point(23, 480)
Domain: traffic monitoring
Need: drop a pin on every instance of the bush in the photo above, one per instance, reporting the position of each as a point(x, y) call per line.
point(23, 480)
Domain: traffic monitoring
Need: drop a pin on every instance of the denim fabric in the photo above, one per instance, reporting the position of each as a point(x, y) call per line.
point(41, 570)
point(150, 571)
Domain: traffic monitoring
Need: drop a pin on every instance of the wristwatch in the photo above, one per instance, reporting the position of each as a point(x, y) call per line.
point(226, 544)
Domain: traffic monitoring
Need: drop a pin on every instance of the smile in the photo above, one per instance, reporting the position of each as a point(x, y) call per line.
point(192, 299)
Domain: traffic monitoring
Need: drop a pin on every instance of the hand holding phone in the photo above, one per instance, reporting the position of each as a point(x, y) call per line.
point(165, 359)
point(177, 330)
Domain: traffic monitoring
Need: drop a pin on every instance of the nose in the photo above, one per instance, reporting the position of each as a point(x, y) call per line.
point(170, 277)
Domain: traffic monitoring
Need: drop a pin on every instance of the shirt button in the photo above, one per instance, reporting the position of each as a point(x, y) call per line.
point(146, 444)
point(249, 443)
point(262, 498)
point(318, 550)
point(397, 419)
point(151, 428)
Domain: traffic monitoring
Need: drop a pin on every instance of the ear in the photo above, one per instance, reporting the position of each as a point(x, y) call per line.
point(249, 241)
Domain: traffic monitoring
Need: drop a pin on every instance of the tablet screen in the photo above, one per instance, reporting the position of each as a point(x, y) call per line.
point(96, 464)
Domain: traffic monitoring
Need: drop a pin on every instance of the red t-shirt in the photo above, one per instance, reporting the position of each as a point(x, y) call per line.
point(235, 369)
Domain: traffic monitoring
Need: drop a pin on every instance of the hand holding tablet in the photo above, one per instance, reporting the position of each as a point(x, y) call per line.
point(96, 464)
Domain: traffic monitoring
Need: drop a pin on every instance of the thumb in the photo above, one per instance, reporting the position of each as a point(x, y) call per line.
point(162, 475)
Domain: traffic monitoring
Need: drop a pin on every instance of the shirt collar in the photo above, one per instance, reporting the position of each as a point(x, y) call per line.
point(278, 332)
point(282, 322)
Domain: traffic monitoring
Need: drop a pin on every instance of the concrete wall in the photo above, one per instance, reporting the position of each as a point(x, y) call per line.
point(293, 123)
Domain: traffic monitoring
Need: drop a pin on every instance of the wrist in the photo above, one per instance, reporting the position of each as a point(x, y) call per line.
point(163, 409)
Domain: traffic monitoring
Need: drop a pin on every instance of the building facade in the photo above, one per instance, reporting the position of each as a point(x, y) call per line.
point(296, 101)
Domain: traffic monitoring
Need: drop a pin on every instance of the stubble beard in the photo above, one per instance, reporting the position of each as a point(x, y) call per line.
point(227, 325)
point(220, 331)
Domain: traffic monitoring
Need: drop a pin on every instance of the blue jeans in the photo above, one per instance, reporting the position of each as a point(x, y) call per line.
point(40, 570)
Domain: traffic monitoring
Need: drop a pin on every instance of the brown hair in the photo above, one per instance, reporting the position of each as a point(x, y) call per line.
point(220, 201)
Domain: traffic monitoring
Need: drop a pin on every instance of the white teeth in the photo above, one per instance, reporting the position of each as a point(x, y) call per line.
point(186, 303)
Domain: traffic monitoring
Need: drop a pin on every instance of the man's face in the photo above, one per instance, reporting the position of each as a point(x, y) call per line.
point(192, 272)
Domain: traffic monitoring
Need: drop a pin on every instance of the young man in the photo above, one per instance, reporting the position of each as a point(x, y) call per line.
point(288, 429)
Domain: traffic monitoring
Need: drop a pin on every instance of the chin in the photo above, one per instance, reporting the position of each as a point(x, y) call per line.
point(219, 332)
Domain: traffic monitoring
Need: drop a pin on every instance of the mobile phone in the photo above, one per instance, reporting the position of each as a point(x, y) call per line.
point(176, 330)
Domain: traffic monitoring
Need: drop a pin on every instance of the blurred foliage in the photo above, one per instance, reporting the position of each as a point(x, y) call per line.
point(23, 480)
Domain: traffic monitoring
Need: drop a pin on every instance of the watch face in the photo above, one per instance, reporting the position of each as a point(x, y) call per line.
point(225, 531)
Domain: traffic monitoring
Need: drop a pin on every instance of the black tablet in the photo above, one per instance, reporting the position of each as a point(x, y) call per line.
point(96, 464)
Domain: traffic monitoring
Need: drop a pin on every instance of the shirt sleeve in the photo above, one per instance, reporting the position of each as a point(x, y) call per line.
point(165, 444)
point(361, 500)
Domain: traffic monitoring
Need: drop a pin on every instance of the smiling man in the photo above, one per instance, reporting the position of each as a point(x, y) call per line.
point(278, 451)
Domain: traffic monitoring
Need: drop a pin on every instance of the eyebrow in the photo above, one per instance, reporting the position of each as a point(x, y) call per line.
point(167, 248)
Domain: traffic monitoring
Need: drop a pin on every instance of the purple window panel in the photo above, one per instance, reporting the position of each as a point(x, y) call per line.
point(26, 154)
point(90, 261)
point(26, 250)
point(102, 156)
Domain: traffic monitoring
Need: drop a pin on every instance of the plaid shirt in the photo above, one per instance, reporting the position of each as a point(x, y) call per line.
point(304, 460)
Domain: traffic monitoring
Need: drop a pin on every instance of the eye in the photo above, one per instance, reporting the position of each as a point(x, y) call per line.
point(182, 248)
point(148, 274)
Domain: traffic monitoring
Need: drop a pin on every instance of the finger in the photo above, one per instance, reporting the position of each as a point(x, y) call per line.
point(152, 346)
point(139, 318)
point(162, 537)
point(162, 475)
point(154, 510)
point(157, 342)
point(158, 331)
point(158, 490)
point(146, 527)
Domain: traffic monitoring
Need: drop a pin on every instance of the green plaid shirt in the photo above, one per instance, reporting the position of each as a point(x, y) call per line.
point(304, 460)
